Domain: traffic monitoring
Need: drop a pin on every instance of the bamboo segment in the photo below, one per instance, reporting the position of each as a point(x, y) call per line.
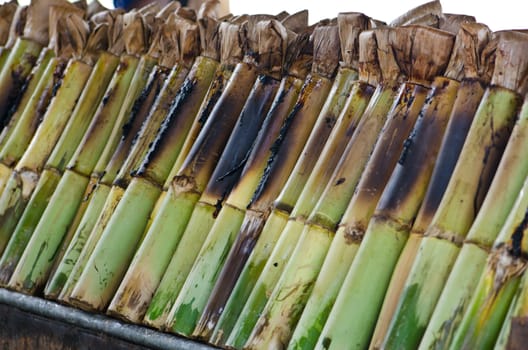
point(498, 283)
point(30, 116)
point(379, 105)
point(256, 105)
point(464, 195)
point(128, 155)
point(38, 82)
point(130, 130)
point(473, 70)
point(230, 218)
point(59, 116)
point(343, 248)
point(21, 59)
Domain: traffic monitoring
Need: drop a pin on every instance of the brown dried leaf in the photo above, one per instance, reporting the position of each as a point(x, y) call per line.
point(231, 43)
point(470, 42)
point(452, 23)
point(135, 33)
point(410, 17)
point(297, 22)
point(72, 35)
point(209, 37)
point(369, 67)
point(273, 40)
point(350, 26)
point(168, 9)
point(299, 55)
point(68, 32)
point(97, 42)
point(511, 62)
point(38, 20)
point(326, 50)
point(94, 7)
point(7, 13)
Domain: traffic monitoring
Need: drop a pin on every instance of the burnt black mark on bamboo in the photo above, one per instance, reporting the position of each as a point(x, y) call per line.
point(462, 116)
point(275, 148)
point(242, 139)
point(493, 152)
point(161, 140)
point(517, 237)
point(217, 87)
point(239, 254)
point(19, 78)
point(142, 103)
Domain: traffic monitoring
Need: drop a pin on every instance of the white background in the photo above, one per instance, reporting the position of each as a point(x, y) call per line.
point(497, 14)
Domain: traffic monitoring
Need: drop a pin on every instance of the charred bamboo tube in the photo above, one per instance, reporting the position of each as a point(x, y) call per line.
point(17, 137)
point(25, 178)
point(88, 292)
point(293, 288)
point(19, 143)
point(345, 83)
point(161, 153)
point(224, 176)
point(48, 233)
point(38, 81)
point(140, 132)
point(475, 75)
point(463, 197)
point(17, 67)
